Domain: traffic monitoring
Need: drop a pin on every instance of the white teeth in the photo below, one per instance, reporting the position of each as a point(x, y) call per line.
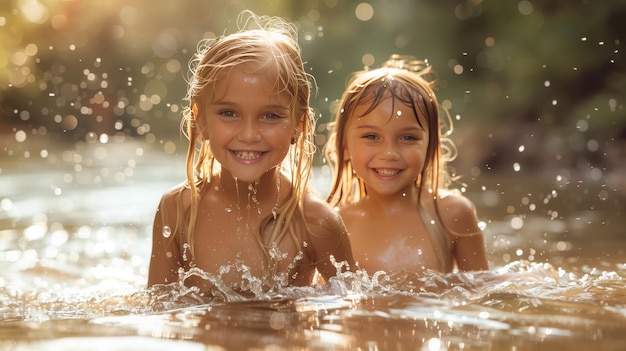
point(248, 155)
point(387, 172)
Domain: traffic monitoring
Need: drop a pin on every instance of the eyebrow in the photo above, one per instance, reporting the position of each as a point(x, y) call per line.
point(231, 103)
point(368, 126)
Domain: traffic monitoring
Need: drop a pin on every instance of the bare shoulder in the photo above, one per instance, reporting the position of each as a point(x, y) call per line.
point(454, 200)
point(350, 210)
point(170, 205)
point(175, 194)
point(165, 259)
point(320, 216)
point(327, 235)
point(176, 189)
point(458, 213)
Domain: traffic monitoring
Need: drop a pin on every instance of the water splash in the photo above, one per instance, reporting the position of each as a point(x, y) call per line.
point(86, 274)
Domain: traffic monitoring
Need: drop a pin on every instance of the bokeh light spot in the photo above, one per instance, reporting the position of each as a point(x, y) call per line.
point(368, 60)
point(364, 11)
point(525, 7)
point(129, 15)
point(70, 122)
point(20, 136)
point(33, 11)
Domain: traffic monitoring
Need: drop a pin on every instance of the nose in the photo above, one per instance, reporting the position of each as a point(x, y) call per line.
point(250, 131)
point(389, 152)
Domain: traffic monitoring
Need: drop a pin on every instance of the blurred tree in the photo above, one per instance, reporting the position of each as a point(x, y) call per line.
point(545, 75)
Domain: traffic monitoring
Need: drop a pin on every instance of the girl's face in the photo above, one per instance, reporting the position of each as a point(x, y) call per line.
point(387, 147)
point(249, 127)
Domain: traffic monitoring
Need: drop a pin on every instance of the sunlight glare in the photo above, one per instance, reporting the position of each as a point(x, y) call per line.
point(33, 11)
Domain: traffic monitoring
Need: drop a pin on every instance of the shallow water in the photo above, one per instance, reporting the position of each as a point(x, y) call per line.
point(75, 243)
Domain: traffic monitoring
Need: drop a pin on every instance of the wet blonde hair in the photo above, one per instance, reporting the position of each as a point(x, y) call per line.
point(410, 82)
point(270, 45)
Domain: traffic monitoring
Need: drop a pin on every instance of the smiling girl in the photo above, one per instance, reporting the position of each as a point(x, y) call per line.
point(390, 183)
point(246, 212)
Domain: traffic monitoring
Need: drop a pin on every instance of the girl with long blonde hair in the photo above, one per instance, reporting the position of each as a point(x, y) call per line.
point(246, 209)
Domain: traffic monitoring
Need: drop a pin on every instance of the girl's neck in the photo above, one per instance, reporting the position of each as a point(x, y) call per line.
point(394, 202)
point(266, 187)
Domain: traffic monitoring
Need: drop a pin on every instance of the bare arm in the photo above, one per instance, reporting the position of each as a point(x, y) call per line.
point(469, 253)
point(328, 237)
point(468, 244)
point(165, 259)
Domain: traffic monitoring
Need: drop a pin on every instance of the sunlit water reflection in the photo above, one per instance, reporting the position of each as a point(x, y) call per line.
point(75, 244)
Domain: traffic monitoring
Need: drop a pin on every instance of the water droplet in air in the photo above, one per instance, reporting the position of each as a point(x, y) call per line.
point(167, 231)
point(517, 223)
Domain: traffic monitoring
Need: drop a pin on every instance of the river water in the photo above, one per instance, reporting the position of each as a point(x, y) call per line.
point(75, 229)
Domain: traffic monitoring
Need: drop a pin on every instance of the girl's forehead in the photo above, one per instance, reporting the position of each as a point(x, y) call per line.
point(385, 111)
point(251, 70)
point(246, 75)
point(244, 83)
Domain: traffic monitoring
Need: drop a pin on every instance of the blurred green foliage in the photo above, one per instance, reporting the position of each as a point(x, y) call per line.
point(547, 77)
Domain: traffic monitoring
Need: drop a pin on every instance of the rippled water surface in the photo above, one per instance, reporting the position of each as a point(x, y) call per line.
point(75, 243)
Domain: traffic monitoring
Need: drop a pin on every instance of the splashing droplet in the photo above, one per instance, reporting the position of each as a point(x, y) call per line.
point(167, 232)
point(185, 248)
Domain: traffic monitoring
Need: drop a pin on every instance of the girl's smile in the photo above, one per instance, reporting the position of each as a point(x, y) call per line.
point(247, 156)
point(386, 172)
